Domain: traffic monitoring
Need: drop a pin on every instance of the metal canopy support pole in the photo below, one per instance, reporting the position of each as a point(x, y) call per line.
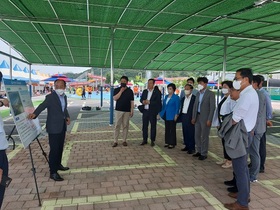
point(218, 88)
point(30, 82)
point(11, 62)
point(101, 89)
point(224, 67)
point(112, 79)
point(225, 58)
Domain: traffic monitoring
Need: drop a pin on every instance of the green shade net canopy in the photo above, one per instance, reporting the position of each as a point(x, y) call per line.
point(177, 35)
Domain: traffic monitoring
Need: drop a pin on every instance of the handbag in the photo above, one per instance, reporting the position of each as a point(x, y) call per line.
point(141, 108)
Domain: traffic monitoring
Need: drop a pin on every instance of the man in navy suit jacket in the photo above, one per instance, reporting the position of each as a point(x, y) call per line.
point(57, 121)
point(151, 99)
point(185, 116)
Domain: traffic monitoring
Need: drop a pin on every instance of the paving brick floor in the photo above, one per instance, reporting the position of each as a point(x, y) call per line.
point(134, 177)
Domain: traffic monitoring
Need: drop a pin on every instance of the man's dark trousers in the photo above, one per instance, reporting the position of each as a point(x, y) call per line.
point(5, 167)
point(262, 151)
point(188, 132)
point(56, 142)
point(147, 117)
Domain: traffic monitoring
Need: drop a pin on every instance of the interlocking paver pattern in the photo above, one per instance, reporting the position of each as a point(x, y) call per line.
point(133, 177)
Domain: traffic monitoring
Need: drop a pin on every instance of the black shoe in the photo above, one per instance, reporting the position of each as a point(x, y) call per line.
point(232, 189)
point(152, 143)
point(197, 154)
point(143, 143)
point(261, 171)
point(201, 157)
point(190, 152)
point(185, 149)
point(62, 168)
point(56, 177)
point(230, 183)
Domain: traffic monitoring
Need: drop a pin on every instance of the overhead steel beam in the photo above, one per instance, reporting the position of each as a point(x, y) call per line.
point(224, 59)
point(138, 29)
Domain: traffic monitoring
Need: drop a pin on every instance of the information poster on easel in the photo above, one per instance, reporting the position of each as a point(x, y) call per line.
point(21, 105)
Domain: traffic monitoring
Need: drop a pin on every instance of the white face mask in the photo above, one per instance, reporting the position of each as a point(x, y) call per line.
point(200, 87)
point(60, 91)
point(224, 90)
point(187, 92)
point(236, 84)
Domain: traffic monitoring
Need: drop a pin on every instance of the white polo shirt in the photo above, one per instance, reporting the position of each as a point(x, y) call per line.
point(247, 108)
point(3, 140)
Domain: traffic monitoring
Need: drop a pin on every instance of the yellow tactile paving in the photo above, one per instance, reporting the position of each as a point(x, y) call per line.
point(90, 200)
point(69, 145)
point(14, 152)
point(269, 184)
point(134, 126)
point(76, 126)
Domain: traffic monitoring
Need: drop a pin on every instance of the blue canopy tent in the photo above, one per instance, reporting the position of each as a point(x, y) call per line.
point(4, 65)
point(160, 81)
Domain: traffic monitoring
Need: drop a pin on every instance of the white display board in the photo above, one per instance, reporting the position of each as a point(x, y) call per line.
point(21, 105)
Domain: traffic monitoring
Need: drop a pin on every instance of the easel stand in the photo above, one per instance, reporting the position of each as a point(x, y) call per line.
point(10, 137)
point(33, 167)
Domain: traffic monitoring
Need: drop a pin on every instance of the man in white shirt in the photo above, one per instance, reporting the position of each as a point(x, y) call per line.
point(185, 116)
point(246, 109)
point(4, 165)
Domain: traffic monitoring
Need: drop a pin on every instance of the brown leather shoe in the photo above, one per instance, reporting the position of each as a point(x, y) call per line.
point(234, 195)
point(235, 206)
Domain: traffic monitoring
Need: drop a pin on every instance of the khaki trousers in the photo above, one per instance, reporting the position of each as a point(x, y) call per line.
point(122, 120)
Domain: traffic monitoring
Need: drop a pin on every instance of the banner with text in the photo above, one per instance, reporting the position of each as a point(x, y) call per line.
point(21, 105)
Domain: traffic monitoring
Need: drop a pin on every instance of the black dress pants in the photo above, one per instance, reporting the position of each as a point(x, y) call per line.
point(149, 117)
point(188, 132)
point(170, 132)
point(56, 142)
point(263, 151)
point(4, 165)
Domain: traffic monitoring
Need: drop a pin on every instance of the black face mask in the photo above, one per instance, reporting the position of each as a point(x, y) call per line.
point(123, 84)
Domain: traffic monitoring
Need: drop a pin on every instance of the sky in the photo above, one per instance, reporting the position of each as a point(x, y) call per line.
point(42, 68)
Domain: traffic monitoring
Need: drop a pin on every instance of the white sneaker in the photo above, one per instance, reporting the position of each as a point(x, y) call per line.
point(254, 181)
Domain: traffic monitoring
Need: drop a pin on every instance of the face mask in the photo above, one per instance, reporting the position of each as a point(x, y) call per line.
point(236, 84)
point(224, 90)
point(59, 91)
point(187, 92)
point(123, 84)
point(200, 87)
